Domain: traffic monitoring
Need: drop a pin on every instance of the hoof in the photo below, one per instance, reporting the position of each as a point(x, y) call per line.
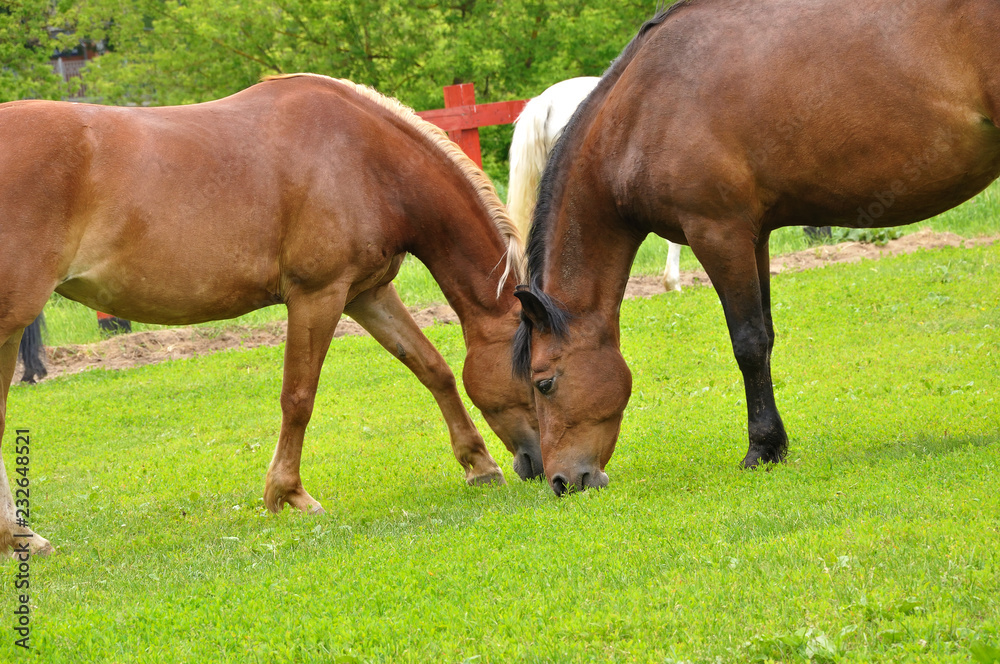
point(495, 477)
point(671, 285)
point(38, 547)
point(303, 502)
point(757, 458)
point(298, 498)
point(43, 549)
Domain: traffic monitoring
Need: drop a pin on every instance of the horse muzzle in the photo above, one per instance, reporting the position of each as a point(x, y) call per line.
point(593, 478)
point(528, 460)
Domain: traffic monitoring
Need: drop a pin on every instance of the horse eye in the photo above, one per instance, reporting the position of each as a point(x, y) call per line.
point(544, 386)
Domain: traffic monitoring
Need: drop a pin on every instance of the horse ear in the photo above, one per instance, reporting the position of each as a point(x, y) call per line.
point(533, 309)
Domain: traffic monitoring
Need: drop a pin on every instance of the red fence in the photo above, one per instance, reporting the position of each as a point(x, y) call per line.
point(461, 117)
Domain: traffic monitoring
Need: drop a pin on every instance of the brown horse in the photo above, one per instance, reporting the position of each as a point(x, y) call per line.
point(722, 121)
point(300, 190)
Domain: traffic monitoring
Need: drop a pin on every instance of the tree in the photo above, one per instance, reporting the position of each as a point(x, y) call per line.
point(184, 51)
point(26, 46)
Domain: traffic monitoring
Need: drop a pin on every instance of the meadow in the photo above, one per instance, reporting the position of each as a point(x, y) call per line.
point(876, 541)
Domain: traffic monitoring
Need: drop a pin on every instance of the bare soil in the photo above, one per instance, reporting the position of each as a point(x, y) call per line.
point(141, 348)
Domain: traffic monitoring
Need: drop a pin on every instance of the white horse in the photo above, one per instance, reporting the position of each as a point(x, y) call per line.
point(535, 133)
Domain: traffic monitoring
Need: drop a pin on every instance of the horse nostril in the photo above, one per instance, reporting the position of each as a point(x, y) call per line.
point(594, 480)
point(559, 484)
point(527, 465)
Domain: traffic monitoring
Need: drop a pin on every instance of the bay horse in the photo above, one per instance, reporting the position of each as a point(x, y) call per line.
point(536, 131)
point(720, 122)
point(301, 190)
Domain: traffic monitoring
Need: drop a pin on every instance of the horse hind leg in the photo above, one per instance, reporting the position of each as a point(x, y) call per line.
point(381, 312)
point(672, 271)
point(13, 537)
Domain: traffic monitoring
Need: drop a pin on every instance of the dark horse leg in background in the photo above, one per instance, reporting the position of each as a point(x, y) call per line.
point(818, 233)
point(32, 353)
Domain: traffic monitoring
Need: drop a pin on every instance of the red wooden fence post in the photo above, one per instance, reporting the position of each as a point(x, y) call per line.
point(461, 117)
point(468, 139)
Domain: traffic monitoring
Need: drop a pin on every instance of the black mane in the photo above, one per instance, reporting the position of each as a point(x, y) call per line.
point(550, 189)
point(551, 176)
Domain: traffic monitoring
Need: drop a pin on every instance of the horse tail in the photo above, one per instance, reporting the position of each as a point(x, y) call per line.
point(529, 150)
point(32, 352)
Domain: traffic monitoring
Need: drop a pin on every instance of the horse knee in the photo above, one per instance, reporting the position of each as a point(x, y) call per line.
point(751, 346)
point(297, 406)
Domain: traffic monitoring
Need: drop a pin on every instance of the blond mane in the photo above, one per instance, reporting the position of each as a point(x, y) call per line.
point(514, 263)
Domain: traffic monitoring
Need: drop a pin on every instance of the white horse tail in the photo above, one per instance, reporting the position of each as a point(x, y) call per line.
point(529, 150)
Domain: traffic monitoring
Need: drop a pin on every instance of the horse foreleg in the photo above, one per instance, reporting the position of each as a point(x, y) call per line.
point(737, 267)
point(672, 272)
point(312, 320)
point(382, 313)
point(762, 257)
point(13, 537)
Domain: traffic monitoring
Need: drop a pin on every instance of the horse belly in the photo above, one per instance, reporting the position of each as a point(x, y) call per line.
point(904, 182)
point(171, 292)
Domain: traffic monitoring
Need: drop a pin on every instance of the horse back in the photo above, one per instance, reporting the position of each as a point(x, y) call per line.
point(792, 112)
point(214, 207)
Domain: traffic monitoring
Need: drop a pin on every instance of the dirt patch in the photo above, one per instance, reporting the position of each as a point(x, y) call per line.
point(845, 252)
point(141, 348)
point(851, 252)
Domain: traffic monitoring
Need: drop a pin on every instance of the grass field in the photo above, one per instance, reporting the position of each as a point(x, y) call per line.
point(876, 542)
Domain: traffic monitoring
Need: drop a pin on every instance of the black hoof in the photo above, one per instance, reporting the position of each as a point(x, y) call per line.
point(756, 458)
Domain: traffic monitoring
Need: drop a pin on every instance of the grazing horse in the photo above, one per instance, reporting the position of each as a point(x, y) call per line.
point(720, 122)
point(535, 134)
point(302, 190)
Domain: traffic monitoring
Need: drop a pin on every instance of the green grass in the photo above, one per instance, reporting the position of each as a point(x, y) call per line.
point(876, 542)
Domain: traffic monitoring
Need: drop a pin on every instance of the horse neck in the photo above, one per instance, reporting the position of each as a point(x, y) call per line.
point(457, 240)
point(589, 256)
point(583, 250)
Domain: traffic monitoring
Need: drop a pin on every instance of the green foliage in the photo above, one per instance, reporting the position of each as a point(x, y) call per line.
point(25, 49)
point(875, 542)
point(876, 236)
point(173, 52)
point(182, 52)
